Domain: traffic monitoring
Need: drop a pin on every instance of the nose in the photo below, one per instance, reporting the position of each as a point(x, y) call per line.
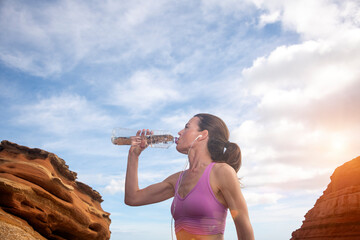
point(179, 133)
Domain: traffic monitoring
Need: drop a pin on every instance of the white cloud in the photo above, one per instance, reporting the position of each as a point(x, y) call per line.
point(65, 114)
point(278, 175)
point(253, 198)
point(42, 33)
point(50, 39)
point(306, 119)
point(303, 16)
point(318, 86)
point(316, 67)
point(115, 186)
point(337, 17)
point(84, 145)
point(145, 90)
point(139, 11)
point(308, 89)
point(130, 227)
point(295, 143)
point(54, 38)
point(269, 18)
point(227, 6)
point(280, 212)
point(176, 120)
point(25, 62)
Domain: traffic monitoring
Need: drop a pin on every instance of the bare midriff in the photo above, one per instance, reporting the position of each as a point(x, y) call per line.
point(183, 235)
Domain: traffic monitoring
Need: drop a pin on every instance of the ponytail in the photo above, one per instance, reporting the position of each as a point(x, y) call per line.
point(232, 155)
point(221, 150)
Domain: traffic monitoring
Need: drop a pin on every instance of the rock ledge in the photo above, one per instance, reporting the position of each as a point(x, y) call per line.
point(41, 199)
point(336, 214)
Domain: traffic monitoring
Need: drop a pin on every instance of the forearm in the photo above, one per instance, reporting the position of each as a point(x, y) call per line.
point(244, 228)
point(131, 179)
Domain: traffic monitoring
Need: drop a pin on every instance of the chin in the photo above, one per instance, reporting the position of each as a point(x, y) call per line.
point(181, 150)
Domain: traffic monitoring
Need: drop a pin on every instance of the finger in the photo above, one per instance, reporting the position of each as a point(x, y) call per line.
point(143, 137)
point(135, 141)
point(143, 143)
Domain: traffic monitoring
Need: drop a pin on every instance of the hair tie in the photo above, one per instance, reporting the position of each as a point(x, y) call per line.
point(226, 146)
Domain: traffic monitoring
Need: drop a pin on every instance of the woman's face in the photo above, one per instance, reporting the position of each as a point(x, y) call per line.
point(188, 135)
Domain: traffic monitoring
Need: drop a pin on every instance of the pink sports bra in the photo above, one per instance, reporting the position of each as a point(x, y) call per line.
point(199, 212)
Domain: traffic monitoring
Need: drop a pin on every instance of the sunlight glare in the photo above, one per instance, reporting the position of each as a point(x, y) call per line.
point(338, 144)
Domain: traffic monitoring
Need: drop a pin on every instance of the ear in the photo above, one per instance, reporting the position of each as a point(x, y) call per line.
point(204, 135)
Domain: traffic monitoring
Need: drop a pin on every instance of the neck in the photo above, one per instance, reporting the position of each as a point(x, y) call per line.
point(198, 160)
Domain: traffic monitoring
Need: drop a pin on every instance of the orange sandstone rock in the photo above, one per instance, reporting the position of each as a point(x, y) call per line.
point(336, 214)
point(12, 227)
point(41, 199)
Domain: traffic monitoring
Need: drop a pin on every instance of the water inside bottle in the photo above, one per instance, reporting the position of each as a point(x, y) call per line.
point(158, 138)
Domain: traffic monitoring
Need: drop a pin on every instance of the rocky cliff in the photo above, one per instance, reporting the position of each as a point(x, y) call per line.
point(41, 199)
point(336, 214)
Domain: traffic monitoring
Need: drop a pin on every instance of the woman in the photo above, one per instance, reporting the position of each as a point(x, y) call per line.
point(203, 193)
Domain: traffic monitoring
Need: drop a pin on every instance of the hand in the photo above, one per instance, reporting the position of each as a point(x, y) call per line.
point(139, 142)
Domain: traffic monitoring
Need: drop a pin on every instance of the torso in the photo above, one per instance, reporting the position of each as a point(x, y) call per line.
point(183, 235)
point(190, 179)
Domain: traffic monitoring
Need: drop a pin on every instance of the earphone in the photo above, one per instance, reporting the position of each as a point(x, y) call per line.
point(194, 142)
point(177, 189)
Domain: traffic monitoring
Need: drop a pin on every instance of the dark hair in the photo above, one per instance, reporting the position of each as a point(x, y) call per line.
point(221, 150)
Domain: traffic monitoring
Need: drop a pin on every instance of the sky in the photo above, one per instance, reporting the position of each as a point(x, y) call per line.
point(283, 74)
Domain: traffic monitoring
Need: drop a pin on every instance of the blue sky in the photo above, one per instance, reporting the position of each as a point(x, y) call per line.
point(283, 74)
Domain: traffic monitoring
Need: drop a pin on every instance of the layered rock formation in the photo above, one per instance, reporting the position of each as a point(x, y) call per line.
point(336, 214)
point(41, 199)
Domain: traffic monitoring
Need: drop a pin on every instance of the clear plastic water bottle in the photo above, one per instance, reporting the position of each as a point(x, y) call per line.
point(157, 138)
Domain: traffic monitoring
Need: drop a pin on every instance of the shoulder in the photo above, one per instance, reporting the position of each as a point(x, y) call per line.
point(224, 173)
point(172, 179)
point(223, 168)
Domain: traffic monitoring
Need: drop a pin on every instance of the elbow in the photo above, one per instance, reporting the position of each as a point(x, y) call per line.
point(130, 201)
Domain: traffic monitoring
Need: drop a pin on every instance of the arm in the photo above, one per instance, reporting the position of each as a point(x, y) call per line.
point(151, 194)
point(230, 188)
